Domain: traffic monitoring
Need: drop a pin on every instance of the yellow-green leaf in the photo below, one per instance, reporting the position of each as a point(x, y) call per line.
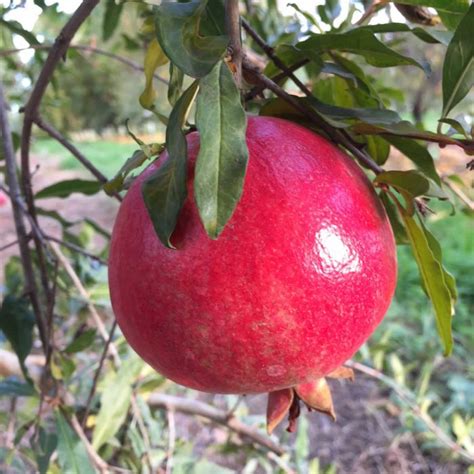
point(154, 58)
point(433, 278)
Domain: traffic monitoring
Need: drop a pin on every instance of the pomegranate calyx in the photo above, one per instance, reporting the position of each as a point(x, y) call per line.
point(342, 373)
point(279, 404)
point(317, 396)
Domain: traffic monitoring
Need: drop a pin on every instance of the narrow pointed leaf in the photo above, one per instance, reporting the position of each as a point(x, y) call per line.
point(177, 29)
point(279, 403)
point(17, 323)
point(154, 58)
point(398, 228)
point(72, 454)
point(115, 400)
point(223, 155)
point(451, 6)
point(437, 252)
point(66, 188)
point(416, 153)
point(458, 67)
point(412, 182)
point(113, 12)
point(164, 191)
point(176, 84)
point(433, 278)
point(361, 42)
point(317, 395)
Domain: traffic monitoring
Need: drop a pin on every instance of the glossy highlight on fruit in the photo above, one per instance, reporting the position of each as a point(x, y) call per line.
point(298, 280)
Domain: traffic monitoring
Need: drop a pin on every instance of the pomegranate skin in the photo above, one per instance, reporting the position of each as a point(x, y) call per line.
point(300, 277)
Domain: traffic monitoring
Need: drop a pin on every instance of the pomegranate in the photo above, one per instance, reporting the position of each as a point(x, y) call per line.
point(3, 199)
point(300, 277)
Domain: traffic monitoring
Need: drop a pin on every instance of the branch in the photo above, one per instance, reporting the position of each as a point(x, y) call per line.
point(235, 44)
point(89, 49)
point(195, 407)
point(255, 91)
point(85, 295)
point(52, 132)
point(101, 465)
point(30, 111)
point(17, 203)
point(416, 410)
point(75, 248)
point(336, 135)
point(97, 373)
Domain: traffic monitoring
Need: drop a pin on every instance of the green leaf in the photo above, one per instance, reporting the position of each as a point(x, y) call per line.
point(455, 125)
point(62, 367)
point(111, 18)
point(398, 228)
point(412, 182)
point(116, 184)
point(401, 128)
point(450, 6)
point(81, 342)
point(361, 42)
point(115, 401)
point(378, 149)
point(17, 322)
point(438, 253)
point(433, 278)
point(458, 67)
point(176, 84)
point(177, 29)
point(72, 454)
point(43, 448)
point(213, 21)
point(428, 35)
point(416, 153)
point(222, 160)
point(17, 29)
point(164, 191)
point(12, 387)
point(66, 188)
point(154, 58)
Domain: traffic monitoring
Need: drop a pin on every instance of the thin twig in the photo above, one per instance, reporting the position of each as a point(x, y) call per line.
point(195, 407)
point(459, 193)
point(97, 373)
point(101, 465)
point(53, 133)
point(407, 398)
point(11, 244)
point(171, 441)
point(235, 44)
point(55, 55)
point(89, 49)
point(85, 295)
point(334, 134)
point(17, 203)
point(112, 349)
point(255, 91)
point(76, 248)
point(338, 136)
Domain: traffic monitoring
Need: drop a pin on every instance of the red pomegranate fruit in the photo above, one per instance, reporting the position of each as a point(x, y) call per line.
point(298, 280)
point(3, 199)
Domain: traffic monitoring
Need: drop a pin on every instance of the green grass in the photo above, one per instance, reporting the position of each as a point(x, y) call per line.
point(107, 155)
